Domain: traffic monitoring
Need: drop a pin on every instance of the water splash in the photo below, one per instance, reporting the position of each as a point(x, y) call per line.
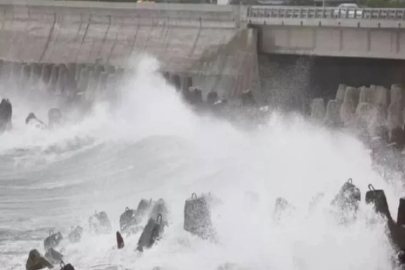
point(152, 145)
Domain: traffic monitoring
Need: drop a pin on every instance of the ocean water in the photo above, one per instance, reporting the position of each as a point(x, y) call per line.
point(150, 144)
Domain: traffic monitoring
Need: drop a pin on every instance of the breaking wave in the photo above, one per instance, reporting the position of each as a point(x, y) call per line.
point(152, 145)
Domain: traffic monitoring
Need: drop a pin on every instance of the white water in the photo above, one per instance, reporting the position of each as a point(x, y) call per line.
point(154, 146)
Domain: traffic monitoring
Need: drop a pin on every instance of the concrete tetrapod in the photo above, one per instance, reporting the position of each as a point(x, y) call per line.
point(340, 94)
point(144, 208)
point(53, 256)
point(380, 97)
point(66, 266)
point(54, 117)
point(36, 261)
point(197, 217)
point(347, 113)
point(401, 212)
point(127, 219)
point(120, 241)
point(398, 95)
point(154, 229)
point(6, 114)
point(53, 240)
point(332, 115)
point(317, 109)
point(394, 119)
point(366, 95)
point(365, 116)
point(282, 209)
point(75, 235)
point(54, 78)
point(348, 108)
point(99, 223)
point(83, 79)
point(396, 230)
point(347, 202)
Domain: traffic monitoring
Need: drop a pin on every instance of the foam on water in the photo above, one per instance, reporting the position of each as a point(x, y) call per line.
point(154, 146)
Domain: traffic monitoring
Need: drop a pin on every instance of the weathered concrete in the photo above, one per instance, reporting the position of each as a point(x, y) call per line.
point(333, 41)
point(376, 33)
point(332, 116)
point(202, 41)
point(318, 109)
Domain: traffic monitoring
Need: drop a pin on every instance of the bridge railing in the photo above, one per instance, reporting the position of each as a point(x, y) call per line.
point(325, 13)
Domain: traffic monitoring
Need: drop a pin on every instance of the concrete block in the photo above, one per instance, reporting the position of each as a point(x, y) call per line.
point(98, 69)
point(332, 115)
point(36, 73)
point(347, 113)
point(212, 98)
point(381, 97)
point(109, 69)
point(100, 223)
point(197, 217)
point(26, 72)
point(381, 115)
point(351, 94)
point(394, 119)
point(84, 79)
point(111, 82)
point(37, 261)
point(90, 92)
point(72, 70)
point(54, 77)
point(365, 114)
point(79, 69)
point(186, 83)
point(317, 109)
point(16, 72)
point(61, 82)
point(6, 72)
point(176, 81)
point(23, 80)
point(366, 95)
point(102, 82)
point(46, 73)
point(398, 95)
point(340, 93)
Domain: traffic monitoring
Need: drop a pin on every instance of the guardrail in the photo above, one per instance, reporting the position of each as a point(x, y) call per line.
point(324, 13)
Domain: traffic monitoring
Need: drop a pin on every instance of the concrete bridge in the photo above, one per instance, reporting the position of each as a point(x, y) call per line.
point(368, 33)
point(211, 47)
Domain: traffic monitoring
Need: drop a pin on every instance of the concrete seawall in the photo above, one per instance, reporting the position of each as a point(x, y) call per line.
point(200, 41)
